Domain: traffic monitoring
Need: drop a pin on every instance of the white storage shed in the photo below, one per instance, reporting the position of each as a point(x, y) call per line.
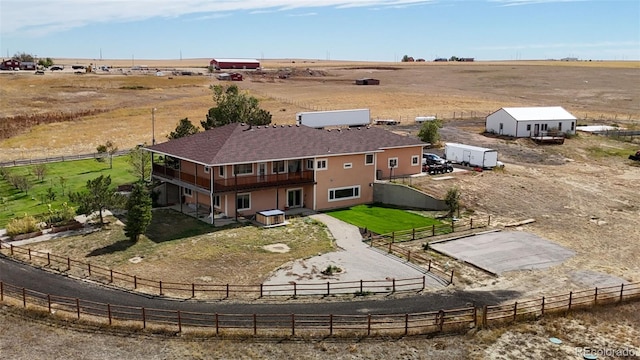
point(531, 121)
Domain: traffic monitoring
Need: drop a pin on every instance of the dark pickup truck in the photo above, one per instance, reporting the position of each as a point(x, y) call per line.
point(635, 157)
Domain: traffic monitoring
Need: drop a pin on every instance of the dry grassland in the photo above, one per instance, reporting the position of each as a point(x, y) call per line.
point(583, 194)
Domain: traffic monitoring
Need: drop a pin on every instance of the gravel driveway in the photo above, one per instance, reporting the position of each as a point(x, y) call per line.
point(355, 259)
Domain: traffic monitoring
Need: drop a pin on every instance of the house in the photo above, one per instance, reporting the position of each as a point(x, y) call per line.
point(222, 64)
point(243, 170)
point(531, 121)
point(11, 64)
point(367, 81)
point(27, 65)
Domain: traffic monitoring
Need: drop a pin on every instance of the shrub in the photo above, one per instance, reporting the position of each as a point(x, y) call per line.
point(62, 215)
point(22, 225)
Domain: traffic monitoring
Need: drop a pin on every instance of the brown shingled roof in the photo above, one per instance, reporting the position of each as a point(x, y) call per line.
point(239, 143)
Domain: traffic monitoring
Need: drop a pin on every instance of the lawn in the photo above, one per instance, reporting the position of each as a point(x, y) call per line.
point(382, 220)
point(75, 174)
point(180, 248)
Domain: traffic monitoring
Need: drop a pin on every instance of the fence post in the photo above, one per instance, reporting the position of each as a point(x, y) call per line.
point(293, 325)
point(542, 307)
point(89, 267)
point(135, 282)
point(179, 322)
point(433, 230)
point(11, 248)
point(227, 291)
point(110, 275)
point(471, 224)
point(409, 256)
point(453, 229)
point(413, 234)
point(78, 307)
point(451, 279)
point(295, 289)
point(24, 298)
point(360, 286)
point(217, 324)
point(68, 263)
point(368, 324)
point(515, 310)
point(328, 288)
point(390, 247)
point(144, 319)
point(255, 324)
point(160, 284)
point(330, 324)
point(424, 282)
point(393, 236)
point(475, 317)
point(109, 312)
point(489, 221)
point(570, 298)
point(429, 268)
point(48, 259)
point(406, 324)
point(261, 292)
point(394, 284)
point(29, 252)
point(621, 291)
point(485, 309)
point(595, 297)
point(441, 320)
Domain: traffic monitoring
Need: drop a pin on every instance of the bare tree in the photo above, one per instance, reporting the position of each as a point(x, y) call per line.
point(40, 170)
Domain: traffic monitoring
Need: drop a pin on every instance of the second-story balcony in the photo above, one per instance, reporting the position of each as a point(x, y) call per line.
point(235, 183)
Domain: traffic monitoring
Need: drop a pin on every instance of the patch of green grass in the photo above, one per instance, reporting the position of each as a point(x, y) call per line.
point(382, 220)
point(601, 152)
point(16, 203)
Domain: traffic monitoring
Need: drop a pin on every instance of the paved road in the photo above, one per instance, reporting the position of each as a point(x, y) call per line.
point(23, 275)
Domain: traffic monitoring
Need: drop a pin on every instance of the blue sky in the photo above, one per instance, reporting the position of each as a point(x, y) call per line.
point(370, 30)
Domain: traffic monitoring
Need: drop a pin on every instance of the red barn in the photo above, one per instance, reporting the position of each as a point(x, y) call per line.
point(221, 64)
point(10, 64)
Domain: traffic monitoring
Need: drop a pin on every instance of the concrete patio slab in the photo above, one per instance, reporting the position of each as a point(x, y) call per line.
point(500, 252)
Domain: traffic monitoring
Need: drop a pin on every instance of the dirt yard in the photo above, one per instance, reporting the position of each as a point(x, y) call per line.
point(584, 195)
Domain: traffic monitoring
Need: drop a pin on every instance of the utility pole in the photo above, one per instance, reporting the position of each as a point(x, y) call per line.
point(153, 126)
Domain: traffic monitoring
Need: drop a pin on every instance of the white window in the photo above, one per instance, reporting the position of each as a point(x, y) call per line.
point(221, 171)
point(216, 201)
point(368, 159)
point(206, 169)
point(243, 202)
point(310, 164)
point(188, 192)
point(393, 163)
point(415, 160)
point(243, 169)
point(559, 126)
point(347, 165)
point(321, 164)
point(528, 127)
point(344, 193)
point(277, 167)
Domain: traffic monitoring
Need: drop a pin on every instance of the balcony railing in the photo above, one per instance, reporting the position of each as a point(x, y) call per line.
point(236, 183)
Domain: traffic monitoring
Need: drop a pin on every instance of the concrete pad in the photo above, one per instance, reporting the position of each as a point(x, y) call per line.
point(500, 252)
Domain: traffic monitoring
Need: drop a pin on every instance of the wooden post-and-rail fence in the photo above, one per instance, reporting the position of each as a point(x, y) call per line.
point(315, 325)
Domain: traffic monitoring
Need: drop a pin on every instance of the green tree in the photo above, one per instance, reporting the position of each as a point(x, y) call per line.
point(405, 58)
point(430, 131)
point(108, 148)
point(99, 196)
point(184, 128)
point(140, 161)
point(233, 106)
point(48, 62)
point(452, 199)
point(138, 212)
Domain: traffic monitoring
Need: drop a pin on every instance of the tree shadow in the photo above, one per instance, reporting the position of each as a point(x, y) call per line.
point(169, 224)
point(121, 245)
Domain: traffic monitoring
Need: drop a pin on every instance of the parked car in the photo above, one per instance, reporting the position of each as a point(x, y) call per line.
point(77, 67)
point(429, 158)
point(39, 72)
point(56, 67)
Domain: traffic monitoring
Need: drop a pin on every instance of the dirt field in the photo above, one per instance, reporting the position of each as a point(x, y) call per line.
point(584, 195)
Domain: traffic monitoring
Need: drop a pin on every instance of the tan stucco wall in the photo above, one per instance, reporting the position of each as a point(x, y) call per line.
point(404, 161)
point(336, 176)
